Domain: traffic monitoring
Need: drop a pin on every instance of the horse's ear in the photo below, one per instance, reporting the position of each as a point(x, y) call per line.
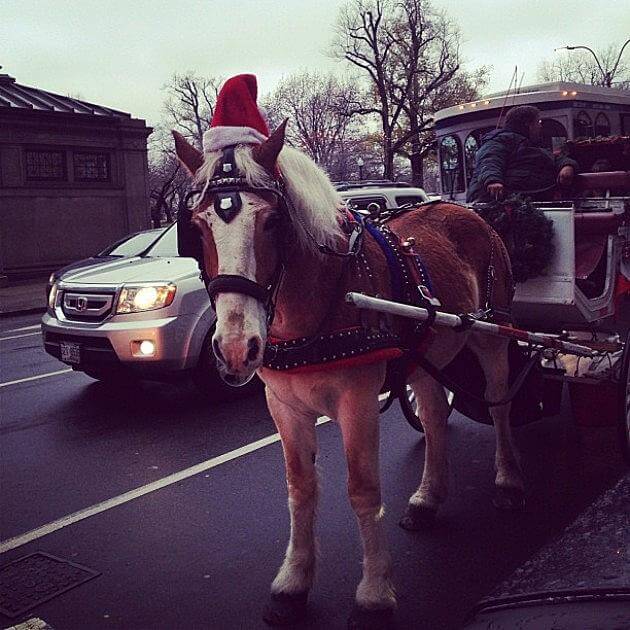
point(267, 153)
point(188, 155)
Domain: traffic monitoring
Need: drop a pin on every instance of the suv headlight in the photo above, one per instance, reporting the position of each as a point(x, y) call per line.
point(135, 299)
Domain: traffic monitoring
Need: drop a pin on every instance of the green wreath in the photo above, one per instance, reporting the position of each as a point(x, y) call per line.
point(526, 232)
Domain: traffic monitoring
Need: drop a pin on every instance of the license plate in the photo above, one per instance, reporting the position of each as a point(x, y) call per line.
point(70, 352)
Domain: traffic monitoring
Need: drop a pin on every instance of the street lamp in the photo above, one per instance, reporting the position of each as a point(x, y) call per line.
point(608, 76)
point(360, 164)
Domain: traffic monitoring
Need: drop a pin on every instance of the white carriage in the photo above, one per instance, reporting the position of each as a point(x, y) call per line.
point(584, 296)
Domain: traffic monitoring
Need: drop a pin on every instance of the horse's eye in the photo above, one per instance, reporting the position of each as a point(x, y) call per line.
point(271, 222)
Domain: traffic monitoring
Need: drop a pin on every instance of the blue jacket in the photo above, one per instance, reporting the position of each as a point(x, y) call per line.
point(509, 158)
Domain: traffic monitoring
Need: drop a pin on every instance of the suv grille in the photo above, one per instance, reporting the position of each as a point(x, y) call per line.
point(86, 306)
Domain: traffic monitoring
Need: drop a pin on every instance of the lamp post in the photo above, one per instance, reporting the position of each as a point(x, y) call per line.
point(360, 164)
point(607, 75)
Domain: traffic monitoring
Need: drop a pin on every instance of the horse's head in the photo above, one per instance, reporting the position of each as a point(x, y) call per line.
point(239, 208)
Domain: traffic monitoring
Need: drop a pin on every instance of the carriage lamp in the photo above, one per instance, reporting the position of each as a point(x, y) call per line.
point(136, 299)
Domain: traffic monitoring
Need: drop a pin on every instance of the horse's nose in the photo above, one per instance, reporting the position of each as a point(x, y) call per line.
point(238, 354)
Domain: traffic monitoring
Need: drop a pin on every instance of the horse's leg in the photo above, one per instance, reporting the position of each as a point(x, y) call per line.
point(492, 353)
point(433, 411)
point(375, 597)
point(290, 587)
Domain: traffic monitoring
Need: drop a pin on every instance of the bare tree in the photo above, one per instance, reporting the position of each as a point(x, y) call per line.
point(189, 106)
point(165, 176)
point(319, 109)
point(190, 103)
point(362, 40)
point(580, 66)
point(410, 54)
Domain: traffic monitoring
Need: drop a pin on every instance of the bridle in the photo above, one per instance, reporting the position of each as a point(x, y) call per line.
point(226, 186)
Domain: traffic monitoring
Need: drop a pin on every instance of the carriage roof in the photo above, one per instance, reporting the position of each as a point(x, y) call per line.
point(558, 94)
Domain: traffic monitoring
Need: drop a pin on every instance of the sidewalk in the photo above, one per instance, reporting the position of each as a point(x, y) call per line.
point(584, 572)
point(27, 296)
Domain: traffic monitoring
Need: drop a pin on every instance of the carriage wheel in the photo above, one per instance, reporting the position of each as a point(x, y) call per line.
point(408, 405)
point(623, 420)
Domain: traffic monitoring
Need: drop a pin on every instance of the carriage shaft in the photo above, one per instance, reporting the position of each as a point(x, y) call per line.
point(452, 321)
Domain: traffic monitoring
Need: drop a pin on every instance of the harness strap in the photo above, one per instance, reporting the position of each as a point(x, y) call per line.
point(441, 378)
point(227, 283)
point(394, 270)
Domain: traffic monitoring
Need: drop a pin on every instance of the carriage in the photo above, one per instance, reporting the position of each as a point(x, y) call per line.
point(579, 308)
point(584, 293)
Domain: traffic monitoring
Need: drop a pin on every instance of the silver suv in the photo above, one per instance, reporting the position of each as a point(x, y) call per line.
point(146, 316)
point(149, 316)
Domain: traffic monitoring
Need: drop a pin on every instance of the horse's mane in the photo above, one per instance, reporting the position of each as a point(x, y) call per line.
point(314, 198)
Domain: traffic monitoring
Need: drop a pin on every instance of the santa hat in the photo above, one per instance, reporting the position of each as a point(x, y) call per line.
point(236, 119)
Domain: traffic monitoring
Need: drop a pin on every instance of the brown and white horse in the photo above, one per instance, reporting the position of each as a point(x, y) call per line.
point(455, 246)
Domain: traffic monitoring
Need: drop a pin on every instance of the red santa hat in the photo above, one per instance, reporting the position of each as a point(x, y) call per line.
point(236, 119)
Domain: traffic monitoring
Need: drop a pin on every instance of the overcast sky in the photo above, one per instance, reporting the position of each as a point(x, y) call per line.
point(120, 53)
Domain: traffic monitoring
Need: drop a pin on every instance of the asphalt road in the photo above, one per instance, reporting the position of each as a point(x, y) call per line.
point(199, 551)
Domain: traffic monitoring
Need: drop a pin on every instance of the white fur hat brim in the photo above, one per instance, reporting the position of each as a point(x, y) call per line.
point(217, 138)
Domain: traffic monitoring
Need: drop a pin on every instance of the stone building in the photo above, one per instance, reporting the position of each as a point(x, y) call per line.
point(73, 178)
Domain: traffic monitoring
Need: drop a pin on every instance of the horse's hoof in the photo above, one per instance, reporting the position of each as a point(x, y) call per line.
point(509, 499)
point(284, 609)
point(418, 517)
point(371, 619)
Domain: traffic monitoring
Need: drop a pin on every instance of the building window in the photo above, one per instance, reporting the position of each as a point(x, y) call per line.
point(554, 135)
point(602, 125)
point(46, 165)
point(451, 165)
point(583, 126)
point(91, 167)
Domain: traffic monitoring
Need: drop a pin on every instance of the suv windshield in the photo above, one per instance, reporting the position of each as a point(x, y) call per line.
point(132, 245)
point(166, 246)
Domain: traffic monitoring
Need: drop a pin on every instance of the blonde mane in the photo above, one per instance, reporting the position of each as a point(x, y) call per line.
point(314, 198)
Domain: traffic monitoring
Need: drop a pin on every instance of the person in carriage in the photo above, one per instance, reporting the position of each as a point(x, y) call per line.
point(510, 161)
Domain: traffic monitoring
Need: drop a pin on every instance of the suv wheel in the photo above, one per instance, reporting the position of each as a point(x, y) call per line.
point(208, 382)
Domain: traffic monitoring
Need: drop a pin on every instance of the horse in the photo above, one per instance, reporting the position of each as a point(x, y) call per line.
point(280, 266)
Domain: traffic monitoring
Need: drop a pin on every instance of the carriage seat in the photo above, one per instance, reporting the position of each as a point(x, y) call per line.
point(579, 286)
point(593, 228)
